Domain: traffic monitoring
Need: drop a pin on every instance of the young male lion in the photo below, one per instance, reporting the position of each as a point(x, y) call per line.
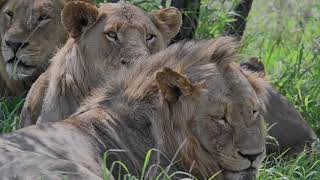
point(190, 101)
point(102, 41)
point(30, 33)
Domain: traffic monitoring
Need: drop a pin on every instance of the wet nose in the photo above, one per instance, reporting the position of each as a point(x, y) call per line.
point(250, 157)
point(15, 46)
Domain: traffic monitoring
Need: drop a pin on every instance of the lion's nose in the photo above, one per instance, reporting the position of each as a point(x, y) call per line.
point(15, 46)
point(250, 157)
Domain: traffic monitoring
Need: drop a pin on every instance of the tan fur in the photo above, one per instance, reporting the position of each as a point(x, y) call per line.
point(194, 115)
point(222, 52)
point(188, 122)
point(83, 63)
point(40, 36)
point(210, 125)
point(17, 83)
point(33, 102)
point(75, 13)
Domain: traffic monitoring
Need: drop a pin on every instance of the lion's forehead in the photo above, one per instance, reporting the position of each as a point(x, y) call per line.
point(26, 5)
point(124, 12)
point(231, 88)
point(24, 10)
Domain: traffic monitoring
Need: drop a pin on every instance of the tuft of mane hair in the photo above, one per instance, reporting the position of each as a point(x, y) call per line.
point(199, 62)
point(260, 85)
point(201, 59)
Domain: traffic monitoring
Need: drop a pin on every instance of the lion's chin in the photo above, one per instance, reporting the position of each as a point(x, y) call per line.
point(20, 71)
point(250, 174)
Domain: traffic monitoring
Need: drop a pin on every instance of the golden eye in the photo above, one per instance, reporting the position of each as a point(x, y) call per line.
point(255, 113)
point(150, 37)
point(112, 35)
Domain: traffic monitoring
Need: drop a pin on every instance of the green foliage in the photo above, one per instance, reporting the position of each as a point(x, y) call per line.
point(214, 18)
point(303, 167)
point(9, 114)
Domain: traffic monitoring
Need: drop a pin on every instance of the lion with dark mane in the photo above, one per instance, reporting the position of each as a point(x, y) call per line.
point(190, 101)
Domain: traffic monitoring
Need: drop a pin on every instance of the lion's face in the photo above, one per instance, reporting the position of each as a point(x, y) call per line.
point(31, 32)
point(230, 127)
point(211, 112)
point(116, 34)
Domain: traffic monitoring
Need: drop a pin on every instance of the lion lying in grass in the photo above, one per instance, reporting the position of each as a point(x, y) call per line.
point(280, 111)
point(102, 41)
point(190, 98)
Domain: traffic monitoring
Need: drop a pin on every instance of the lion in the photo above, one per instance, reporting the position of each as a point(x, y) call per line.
point(281, 115)
point(31, 32)
point(20, 81)
point(101, 42)
point(189, 101)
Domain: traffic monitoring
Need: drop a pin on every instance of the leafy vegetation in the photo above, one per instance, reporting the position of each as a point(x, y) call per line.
point(285, 35)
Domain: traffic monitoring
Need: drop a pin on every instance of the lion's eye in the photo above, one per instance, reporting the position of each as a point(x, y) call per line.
point(255, 113)
point(112, 35)
point(9, 14)
point(150, 37)
point(220, 119)
point(43, 17)
point(223, 121)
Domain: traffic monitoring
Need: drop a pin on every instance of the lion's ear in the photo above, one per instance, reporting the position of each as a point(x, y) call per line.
point(78, 15)
point(172, 85)
point(254, 65)
point(168, 21)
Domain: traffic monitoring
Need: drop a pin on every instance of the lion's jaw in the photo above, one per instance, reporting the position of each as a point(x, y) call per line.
point(31, 32)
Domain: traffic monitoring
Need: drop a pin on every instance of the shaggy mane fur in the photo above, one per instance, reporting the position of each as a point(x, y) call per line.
point(139, 81)
point(138, 85)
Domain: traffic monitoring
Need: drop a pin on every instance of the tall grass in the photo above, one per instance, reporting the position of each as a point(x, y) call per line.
point(9, 113)
point(285, 35)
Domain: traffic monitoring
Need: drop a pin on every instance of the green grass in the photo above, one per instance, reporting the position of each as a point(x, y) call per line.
point(302, 167)
point(288, 42)
point(285, 35)
point(9, 113)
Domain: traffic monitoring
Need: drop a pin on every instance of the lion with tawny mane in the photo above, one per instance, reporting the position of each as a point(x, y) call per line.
point(30, 34)
point(189, 101)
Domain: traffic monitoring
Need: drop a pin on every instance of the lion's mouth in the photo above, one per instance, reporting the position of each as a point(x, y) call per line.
point(248, 170)
point(246, 174)
point(19, 63)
